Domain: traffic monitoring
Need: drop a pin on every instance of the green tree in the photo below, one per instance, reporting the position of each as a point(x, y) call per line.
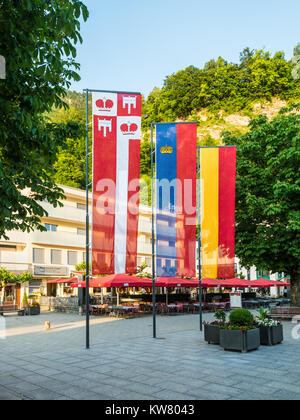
point(145, 159)
point(221, 85)
point(6, 277)
point(296, 62)
point(25, 299)
point(81, 266)
point(70, 165)
point(37, 38)
point(268, 196)
point(297, 49)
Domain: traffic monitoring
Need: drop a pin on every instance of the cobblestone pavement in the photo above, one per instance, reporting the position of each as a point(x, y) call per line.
point(125, 362)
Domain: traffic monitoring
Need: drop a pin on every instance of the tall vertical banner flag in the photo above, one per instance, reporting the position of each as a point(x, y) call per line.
point(217, 183)
point(116, 170)
point(176, 170)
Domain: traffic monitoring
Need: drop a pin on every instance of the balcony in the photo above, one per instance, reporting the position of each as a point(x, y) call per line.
point(67, 213)
point(144, 248)
point(145, 226)
point(60, 238)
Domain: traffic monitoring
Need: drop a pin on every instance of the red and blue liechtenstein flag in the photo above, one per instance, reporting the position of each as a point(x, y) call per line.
point(176, 172)
point(116, 170)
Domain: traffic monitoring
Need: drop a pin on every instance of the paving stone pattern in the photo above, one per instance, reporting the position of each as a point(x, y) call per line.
point(126, 363)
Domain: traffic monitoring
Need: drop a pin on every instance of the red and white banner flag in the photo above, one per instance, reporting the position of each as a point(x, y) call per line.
point(116, 170)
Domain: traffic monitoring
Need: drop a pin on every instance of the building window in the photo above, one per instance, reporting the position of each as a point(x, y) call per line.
point(55, 256)
point(81, 206)
point(264, 274)
point(80, 231)
point(38, 255)
point(72, 257)
point(51, 228)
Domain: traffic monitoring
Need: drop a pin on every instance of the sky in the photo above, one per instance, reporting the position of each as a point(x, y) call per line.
point(132, 45)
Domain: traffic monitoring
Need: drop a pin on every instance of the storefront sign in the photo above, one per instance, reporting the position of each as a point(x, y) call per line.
point(50, 271)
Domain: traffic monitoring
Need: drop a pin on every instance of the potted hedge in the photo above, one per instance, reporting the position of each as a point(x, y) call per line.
point(271, 331)
point(212, 329)
point(33, 309)
point(240, 334)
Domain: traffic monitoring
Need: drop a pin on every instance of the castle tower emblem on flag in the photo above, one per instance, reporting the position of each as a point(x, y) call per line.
point(129, 101)
point(105, 125)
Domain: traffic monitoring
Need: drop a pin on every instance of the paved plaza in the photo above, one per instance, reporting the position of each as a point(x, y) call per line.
point(126, 363)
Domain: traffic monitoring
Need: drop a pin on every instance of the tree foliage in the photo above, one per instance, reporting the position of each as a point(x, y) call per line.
point(81, 266)
point(38, 40)
point(223, 85)
point(268, 195)
point(69, 168)
point(7, 277)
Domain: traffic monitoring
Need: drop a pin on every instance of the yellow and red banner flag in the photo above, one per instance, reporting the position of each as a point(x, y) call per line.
point(217, 183)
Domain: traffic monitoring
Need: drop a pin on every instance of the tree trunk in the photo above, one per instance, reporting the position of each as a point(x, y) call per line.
point(295, 290)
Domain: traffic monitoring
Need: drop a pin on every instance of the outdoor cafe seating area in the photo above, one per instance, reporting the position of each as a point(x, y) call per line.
point(136, 308)
point(131, 296)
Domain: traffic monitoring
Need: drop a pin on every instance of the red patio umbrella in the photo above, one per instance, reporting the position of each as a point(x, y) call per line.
point(235, 282)
point(176, 282)
point(265, 283)
point(206, 283)
point(282, 284)
point(116, 280)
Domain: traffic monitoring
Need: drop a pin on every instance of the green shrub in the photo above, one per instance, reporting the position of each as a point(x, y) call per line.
point(241, 317)
point(25, 299)
point(220, 316)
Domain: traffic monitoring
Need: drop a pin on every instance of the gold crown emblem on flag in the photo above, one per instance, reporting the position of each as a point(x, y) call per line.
point(166, 150)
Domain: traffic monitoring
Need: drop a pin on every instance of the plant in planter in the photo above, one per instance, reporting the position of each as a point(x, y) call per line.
point(240, 333)
point(212, 329)
point(271, 331)
point(33, 309)
point(25, 300)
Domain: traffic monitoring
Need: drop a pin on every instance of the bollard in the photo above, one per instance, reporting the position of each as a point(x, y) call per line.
point(47, 325)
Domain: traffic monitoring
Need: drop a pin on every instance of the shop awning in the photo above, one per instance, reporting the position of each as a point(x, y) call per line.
point(56, 281)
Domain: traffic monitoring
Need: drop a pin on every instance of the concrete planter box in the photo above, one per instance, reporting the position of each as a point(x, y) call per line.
point(33, 311)
point(243, 341)
point(212, 334)
point(269, 336)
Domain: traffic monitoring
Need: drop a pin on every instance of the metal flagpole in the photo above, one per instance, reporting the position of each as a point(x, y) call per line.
point(87, 277)
point(199, 237)
point(153, 247)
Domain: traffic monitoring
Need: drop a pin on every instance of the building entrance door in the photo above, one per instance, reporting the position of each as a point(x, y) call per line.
point(18, 296)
